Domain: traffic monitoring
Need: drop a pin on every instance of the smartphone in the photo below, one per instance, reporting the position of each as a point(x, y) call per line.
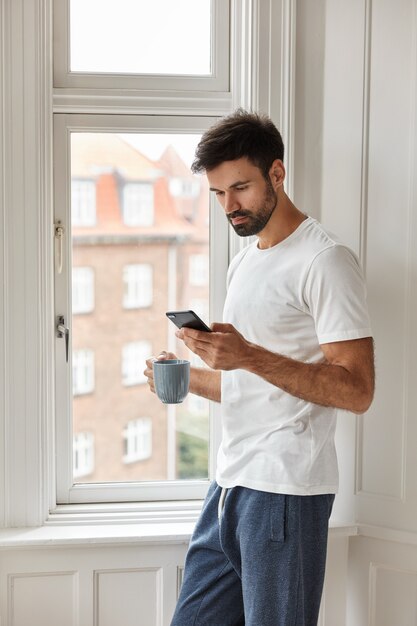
point(188, 319)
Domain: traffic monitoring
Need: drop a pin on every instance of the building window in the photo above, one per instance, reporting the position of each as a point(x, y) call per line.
point(184, 188)
point(82, 372)
point(83, 202)
point(82, 290)
point(137, 440)
point(199, 270)
point(138, 286)
point(138, 204)
point(133, 362)
point(83, 454)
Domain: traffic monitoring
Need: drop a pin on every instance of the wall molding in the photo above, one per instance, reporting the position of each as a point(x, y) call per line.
point(27, 141)
point(405, 370)
point(3, 268)
point(364, 204)
point(376, 572)
point(12, 579)
point(384, 533)
point(158, 589)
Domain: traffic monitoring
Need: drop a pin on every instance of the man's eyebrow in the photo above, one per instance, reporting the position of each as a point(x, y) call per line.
point(238, 183)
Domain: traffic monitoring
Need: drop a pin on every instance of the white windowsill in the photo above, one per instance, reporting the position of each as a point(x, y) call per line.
point(115, 534)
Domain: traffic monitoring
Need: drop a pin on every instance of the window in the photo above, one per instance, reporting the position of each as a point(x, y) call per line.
point(141, 32)
point(82, 372)
point(133, 362)
point(146, 106)
point(83, 203)
point(126, 126)
point(180, 187)
point(138, 286)
point(199, 270)
point(139, 274)
point(138, 204)
point(83, 454)
point(137, 440)
point(82, 290)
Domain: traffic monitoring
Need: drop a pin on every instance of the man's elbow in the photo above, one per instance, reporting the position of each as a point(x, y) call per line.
point(362, 401)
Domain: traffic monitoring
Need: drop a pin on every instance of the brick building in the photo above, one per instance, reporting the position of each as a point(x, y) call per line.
point(140, 248)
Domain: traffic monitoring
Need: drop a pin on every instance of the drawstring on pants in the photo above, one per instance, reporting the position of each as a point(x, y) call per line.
point(221, 502)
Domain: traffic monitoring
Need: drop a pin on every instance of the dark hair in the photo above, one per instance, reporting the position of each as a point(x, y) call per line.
point(240, 134)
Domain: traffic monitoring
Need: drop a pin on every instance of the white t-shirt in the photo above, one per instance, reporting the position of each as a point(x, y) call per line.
point(305, 291)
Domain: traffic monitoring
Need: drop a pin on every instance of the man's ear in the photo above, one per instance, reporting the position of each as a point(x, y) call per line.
point(277, 173)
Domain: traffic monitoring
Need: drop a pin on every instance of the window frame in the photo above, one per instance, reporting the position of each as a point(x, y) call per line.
point(218, 81)
point(67, 491)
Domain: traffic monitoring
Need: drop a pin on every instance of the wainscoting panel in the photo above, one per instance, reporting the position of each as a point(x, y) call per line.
point(132, 593)
point(90, 585)
point(393, 596)
point(43, 599)
point(125, 585)
point(390, 211)
point(382, 581)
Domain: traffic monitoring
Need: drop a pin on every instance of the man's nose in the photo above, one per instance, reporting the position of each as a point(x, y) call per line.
point(230, 203)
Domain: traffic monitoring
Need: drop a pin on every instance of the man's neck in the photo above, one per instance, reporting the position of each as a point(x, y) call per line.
point(282, 224)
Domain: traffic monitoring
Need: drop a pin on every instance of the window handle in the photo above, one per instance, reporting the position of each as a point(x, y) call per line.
point(63, 331)
point(59, 237)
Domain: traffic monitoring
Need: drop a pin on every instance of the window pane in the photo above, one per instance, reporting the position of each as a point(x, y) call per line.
point(126, 274)
point(140, 37)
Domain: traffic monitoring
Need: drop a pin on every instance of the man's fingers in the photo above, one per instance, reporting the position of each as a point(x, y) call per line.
point(192, 333)
point(218, 327)
point(148, 372)
point(161, 356)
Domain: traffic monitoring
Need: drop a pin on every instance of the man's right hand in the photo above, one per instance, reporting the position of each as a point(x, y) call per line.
point(149, 366)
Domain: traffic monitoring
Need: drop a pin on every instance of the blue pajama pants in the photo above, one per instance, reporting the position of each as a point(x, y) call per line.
point(255, 559)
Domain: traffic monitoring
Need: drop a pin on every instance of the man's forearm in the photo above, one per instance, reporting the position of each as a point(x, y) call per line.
point(206, 383)
point(321, 383)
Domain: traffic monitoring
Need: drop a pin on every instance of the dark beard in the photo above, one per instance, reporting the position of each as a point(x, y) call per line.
point(256, 223)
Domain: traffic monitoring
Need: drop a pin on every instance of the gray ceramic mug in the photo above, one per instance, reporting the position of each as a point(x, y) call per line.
point(172, 380)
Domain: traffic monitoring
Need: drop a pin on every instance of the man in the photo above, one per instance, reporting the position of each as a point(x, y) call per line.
point(294, 347)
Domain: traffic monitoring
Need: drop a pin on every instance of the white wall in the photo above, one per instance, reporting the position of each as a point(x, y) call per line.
point(356, 171)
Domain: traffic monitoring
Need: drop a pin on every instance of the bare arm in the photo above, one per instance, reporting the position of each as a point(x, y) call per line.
point(344, 379)
point(206, 383)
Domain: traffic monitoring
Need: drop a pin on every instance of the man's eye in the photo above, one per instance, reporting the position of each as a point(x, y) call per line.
point(241, 188)
point(219, 193)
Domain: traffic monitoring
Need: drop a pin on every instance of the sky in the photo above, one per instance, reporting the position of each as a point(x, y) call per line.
point(140, 36)
point(152, 145)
